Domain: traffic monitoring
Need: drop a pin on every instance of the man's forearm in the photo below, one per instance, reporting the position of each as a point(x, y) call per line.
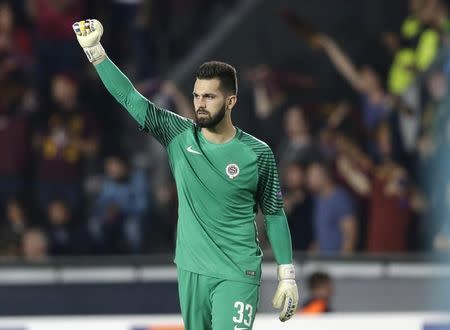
point(348, 235)
point(279, 237)
point(342, 63)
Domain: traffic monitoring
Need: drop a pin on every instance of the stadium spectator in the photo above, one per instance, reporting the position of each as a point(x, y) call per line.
point(15, 42)
point(46, 14)
point(14, 88)
point(392, 199)
point(15, 149)
point(434, 16)
point(402, 46)
point(163, 231)
point(168, 95)
point(433, 158)
point(298, 206)
point(63, 145)
point(133, 42)
point(118, 223)
point(297, 144)
point(65, 235)
point(270, 100)
point(34, 245)
point(334, 216)
point(377, 144)
point(390, 213)
point(421, 36)
point(351, 164)
point(320, 287)
point(375, 102)
point(441, 242)
point(13, 226)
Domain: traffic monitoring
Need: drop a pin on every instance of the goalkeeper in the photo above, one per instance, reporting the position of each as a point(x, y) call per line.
point(222, 175)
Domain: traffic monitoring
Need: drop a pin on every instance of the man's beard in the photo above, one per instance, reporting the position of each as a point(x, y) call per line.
point(208, 121)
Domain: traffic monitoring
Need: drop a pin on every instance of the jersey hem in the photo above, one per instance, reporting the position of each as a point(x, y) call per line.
point(219, 276)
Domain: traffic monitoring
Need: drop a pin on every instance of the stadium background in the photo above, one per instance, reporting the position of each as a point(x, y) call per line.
point(78, 237)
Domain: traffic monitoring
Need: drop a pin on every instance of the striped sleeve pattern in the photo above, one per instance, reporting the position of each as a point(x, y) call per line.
point(163, 124)
point(269, 193)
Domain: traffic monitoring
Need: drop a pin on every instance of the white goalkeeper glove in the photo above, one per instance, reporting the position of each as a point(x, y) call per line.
point(89, 32)
point(286, 296)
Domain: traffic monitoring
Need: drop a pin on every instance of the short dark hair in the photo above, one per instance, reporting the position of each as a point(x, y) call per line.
point(118, 154)
point(324, 164)
point(318, 279)
point(225, 72)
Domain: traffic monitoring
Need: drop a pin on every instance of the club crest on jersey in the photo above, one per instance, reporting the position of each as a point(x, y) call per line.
point(232, 171)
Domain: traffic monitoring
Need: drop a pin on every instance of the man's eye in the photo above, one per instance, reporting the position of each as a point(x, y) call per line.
point(210, 97)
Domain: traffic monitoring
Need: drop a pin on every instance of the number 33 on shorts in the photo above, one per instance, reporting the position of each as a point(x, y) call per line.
point(244, 316)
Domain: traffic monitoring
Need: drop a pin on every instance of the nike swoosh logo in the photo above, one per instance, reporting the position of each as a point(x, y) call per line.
point(193, 151)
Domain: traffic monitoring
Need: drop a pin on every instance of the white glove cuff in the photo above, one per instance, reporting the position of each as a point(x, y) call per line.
point(286, 272)
point(95, 52)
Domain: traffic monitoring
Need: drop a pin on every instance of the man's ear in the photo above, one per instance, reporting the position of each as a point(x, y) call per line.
point(231, 101)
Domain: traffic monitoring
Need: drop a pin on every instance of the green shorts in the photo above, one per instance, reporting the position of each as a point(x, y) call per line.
point(209, 303)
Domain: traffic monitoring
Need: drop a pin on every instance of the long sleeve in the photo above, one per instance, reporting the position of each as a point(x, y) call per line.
point(271, 203)
point(279, 237)
point(162, 124)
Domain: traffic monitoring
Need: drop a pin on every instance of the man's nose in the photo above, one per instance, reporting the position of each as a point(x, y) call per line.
point(202, 103)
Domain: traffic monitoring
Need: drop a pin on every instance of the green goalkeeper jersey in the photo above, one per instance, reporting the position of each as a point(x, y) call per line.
point(220, 187)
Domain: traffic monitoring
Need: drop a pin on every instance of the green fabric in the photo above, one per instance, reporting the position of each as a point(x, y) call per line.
point(423, 47)
point(411, 27)
point(122, 90)
point(159, 122)
point(278, 231)
point(213, 303)
point(402, 71)
point(427, 48)
point(220, 187)
point(216, 233)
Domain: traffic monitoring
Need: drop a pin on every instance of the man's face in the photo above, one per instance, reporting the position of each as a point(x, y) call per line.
point(315, 178)
point(115, 168)
point(6, 17)
point(58, 213)
point(209, 102)
point(294, 121)
point(63, 89)
point(294, 177)
point(324, 291)
point(34, 245)
point(438, 86)
point(14, 212)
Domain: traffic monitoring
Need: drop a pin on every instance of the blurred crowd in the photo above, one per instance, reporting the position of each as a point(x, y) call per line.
point(371, 175)
point(69, 184)
point(78, 178)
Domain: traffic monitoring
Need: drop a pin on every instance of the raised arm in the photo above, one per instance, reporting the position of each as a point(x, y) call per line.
point(162, 124)
point(341, 61)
